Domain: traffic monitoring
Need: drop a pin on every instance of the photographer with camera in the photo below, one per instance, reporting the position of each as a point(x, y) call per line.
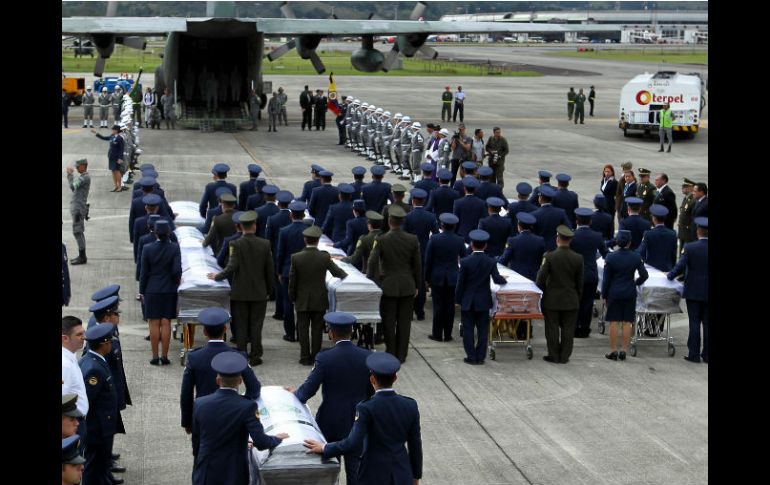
point(497, 149)
point(79, 205)
point(461, 149)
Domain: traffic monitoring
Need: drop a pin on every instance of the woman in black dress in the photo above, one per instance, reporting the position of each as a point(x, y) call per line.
point(609, 188)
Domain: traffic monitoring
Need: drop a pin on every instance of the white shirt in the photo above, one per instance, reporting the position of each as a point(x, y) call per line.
point(73, 380)
point(384, 390)
point(460, 97)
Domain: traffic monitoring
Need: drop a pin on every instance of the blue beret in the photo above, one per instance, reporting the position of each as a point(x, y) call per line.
point(702, 222)
point(523, 188)
point(69, 451)
point(101, 332)
point(584, 212)
point(658, 210)
point(297, 206)
point(147, 181)
point(101, 294)
point(237, 217)
point(479, 235)
point(359, 170)
point(346, 188)
point(213, 316)
point(339, 319)
point(469, 166)
point(378, 170)
point(426, 167)
point(418, 194)
point(151, 199)
point(470, 181)
point(495, 202)
point(150, 172)
point(444, 174)
point(600, 201)
point(270, 189)
point(146, 166)
point(634, 200)
point(547, 191)
point(383, 363)
point(229, 363)
point(222, 190)
point(526, 217)
point(284, 196)
point(316, 168)
point(563, 177)
point(325, 173)
point(623, 237)
point(359, 204)
point(544, 174)
point(220, 168)
point(152, 220)
point(162, 227)
point(104, 304)
point(486, 171)
point(254, 168)
point(448, 218)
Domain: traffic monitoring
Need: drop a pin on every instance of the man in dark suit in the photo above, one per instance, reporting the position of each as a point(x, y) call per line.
point(307, 289)
point(700, 206)
point(524, 251)
point(565, 198)
point(275, 223)
point(620, 193)
point(523, 189)
point(665, 197)
point(422, 224)
point(222, 423)
point(469, 209)
point(354, 228)
point(629, 190)
point(209, 199)
point(321, 198)
point(544, 180)
point(549, 217)
point(658, 247)
point(634, 222)
point(289, 242)
point(384, 423)
point(248, 187)
point(475, 297)
point(487, 188)
point(252, 272)
point(222, 226)
point(363, 249)
point(267, 210)
point(306, 102)
point(343, 376)
point(442, 258)
point(587, 243)
point(561, 279)
point(395, 260)
point(339, 214)
point(442, 198)
point(694, 262)
point(199, 376)
point(315, 181)
point(499, 228)
point(376, 193)
point(601, 220)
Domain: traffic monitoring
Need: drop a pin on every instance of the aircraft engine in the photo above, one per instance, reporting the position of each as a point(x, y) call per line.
point(367, 58)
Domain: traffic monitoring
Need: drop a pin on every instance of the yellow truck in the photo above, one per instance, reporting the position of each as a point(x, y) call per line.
point(75, 87)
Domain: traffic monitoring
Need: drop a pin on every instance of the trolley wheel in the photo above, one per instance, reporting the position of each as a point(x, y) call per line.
point(671, 350)
point(632, 350)
point(529, 352)
point(601, 327)
point(492, 354)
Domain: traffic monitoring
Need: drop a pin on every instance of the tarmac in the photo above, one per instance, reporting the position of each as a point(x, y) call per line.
point(511, 421)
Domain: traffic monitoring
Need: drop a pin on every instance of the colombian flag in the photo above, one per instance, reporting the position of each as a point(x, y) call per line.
point(332, 103)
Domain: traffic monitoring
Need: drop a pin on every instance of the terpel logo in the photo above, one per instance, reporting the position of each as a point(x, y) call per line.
point(643, 97)
point(646, 97)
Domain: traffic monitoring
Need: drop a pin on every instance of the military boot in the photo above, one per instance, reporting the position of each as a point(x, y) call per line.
point(81, 259)
point(669, 148)
point(661, 148)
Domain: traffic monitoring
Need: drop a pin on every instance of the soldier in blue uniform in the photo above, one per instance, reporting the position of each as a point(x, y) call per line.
point(268, 209)
point(290, 241)
point(475, 297)
point(358, 180)
point(199, 376)
point(487, 188)
point(339, 214)
point(694, 262)
point(115, 155)
point(381, 426)
point(71, 460)
point(442, 198)
point(634, 223)
point(66, 291)
point(442, 259)
point(658, 247)
point(322, 197)
point(523, 189)
point(469, 209)
point(601, 220)
point(422, 224)
point(152, 204)
point(101, 420)
point(315, 181)
point(549, 217)
point(376, 193)
point(619, 292)
point(274, 224)
point(143, 241)
point(467, 169)
point(544, 180)
point(221, 425)
point(524, 251)
point(137, 209)
point(427, 183)
point(248, 187)
point(354, 228)
point(214, 211)
point(499, 228)
point(565, 198)
point(101, 294)
point(344, 375)
point(587, 243)
point(209, 199)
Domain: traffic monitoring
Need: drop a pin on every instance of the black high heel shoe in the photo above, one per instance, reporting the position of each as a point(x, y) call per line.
point(612, 356)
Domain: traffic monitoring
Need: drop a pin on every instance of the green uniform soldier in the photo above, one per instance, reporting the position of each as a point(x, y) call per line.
point(446, 103)
point(580, 110)
point(570, 103)
point(497, 149)
point(646, 191)
point(396, 259)
point(222, 225)
point(360, 256)
point(685, 214)
point(399, 192)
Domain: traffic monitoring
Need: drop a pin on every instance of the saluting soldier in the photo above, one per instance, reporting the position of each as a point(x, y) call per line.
point(79, 206)
point(645, 191)
point(685, 214)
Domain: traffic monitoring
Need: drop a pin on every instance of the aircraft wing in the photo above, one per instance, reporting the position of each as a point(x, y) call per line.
point(123, 25)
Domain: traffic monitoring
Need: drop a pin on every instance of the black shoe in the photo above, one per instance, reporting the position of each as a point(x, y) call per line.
point(306, 361)
point(254, 361)
point(116, 481)
point(155, 361)
point(448, 339)
point(612, 356)
point(81, 259)
point(420, 318)
point(622, 355)
point(165, 361)
point(437, 339)
point(115, 456)
point(117, 468)
point(277, 317)
point(289, 339)
point(705, 360)
point(669, 149)
point(379, 340)
point(661, 149)
point(469, 361)
point(563, 361)
point(548, 358)
point(147, 338)
point(695, 360)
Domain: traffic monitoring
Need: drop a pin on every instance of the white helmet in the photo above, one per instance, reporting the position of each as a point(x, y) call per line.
point(386, 113)
point(365, 105)
point(378, 110)
point(356, 101)
point(104, 89)
point(416, 125)
point(372, 107)
point(406, 119)
point(444, 131)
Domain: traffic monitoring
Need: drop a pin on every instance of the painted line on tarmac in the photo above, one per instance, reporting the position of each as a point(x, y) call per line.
point(250, 150)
